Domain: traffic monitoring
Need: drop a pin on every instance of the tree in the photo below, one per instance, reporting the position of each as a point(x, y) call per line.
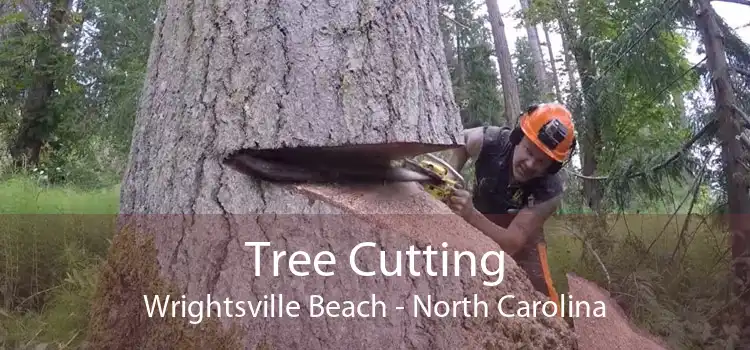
point(510, 87)
point(475, 84)
point(223, 78)
point(529, 90)
point(737, 180)
point(535, 48)
point(38, 117)
point(552, 63)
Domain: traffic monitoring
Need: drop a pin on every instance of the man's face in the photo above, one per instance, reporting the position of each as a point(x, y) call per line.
point(529, 161)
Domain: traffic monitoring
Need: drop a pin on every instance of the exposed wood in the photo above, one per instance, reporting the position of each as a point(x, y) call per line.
point(615, 331)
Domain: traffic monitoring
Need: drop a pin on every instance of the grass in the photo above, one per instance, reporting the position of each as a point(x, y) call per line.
point(51, 241)
point(48, 267)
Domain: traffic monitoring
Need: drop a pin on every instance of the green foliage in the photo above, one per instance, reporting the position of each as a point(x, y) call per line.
point(667, 273)
point(476, 88)
point(480, 90)
point(117, 61)
point(529, 90)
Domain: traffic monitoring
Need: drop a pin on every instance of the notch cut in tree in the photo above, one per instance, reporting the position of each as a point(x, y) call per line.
point(227, 76)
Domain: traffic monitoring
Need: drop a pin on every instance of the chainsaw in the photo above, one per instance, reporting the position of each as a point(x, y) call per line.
point(334, 166)
point(445, 178)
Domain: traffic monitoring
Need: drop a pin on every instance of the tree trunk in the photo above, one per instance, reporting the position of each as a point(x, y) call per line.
point(555, 79)
point(38, 118)
point(232, 76)
point(540, 71)
point(447, 42)
point(569, 68)
point(460, 64)
point(591, 136)
point(732, 152)
point(508, 80)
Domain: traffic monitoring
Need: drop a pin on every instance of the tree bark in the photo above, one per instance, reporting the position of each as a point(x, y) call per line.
point(732, 152)
point(508, 80)
point(232, 76)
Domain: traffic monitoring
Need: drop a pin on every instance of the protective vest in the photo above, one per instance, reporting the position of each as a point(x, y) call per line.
point(494, 196)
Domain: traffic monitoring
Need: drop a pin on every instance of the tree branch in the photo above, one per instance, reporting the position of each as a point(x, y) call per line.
point(745, 118)
point(741, 71)
point(706, 129)
point(453, 20)
point(741, 2)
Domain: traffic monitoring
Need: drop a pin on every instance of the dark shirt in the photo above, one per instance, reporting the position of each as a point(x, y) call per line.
point(494, 195)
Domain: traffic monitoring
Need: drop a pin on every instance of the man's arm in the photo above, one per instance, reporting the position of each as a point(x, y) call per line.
point(526, 222)
point(473, 139)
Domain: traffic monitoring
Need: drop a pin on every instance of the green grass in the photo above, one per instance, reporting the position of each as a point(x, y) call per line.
point(24, 196)
point(679, 294)
point(48, 267)
point(51, 241)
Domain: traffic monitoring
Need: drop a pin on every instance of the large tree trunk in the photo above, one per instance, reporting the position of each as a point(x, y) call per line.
point(508, 80)
point(737, 188)
point(540, 72)
point(227, 76)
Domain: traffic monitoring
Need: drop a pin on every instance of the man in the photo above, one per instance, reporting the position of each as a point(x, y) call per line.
point(518, 187)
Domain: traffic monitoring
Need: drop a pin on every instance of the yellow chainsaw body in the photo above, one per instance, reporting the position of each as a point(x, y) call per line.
point(444, 189)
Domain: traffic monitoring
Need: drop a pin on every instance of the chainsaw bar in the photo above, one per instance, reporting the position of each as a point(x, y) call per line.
point(327, 170)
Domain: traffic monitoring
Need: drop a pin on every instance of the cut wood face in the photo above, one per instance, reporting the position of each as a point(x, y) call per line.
point(614, 331)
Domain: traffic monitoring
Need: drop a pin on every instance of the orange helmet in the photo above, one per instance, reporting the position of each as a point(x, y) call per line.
point(550, 127)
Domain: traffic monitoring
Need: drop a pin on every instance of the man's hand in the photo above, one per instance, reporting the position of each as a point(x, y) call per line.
point(460, 202)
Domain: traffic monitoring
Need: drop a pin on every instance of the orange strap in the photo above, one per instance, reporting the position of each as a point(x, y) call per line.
point(542, 249)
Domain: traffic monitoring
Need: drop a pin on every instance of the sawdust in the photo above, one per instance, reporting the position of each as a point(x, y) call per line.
point(404, 210)
point(612, 332)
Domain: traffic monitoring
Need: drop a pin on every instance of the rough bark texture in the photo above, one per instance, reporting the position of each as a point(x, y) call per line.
point(737, 189)
point(507, 79)
point(613, 332)
point(227, 76)
point(231, 75)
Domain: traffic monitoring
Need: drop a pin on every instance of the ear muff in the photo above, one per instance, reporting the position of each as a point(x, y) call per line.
point(516, 135)
point(556, 166)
